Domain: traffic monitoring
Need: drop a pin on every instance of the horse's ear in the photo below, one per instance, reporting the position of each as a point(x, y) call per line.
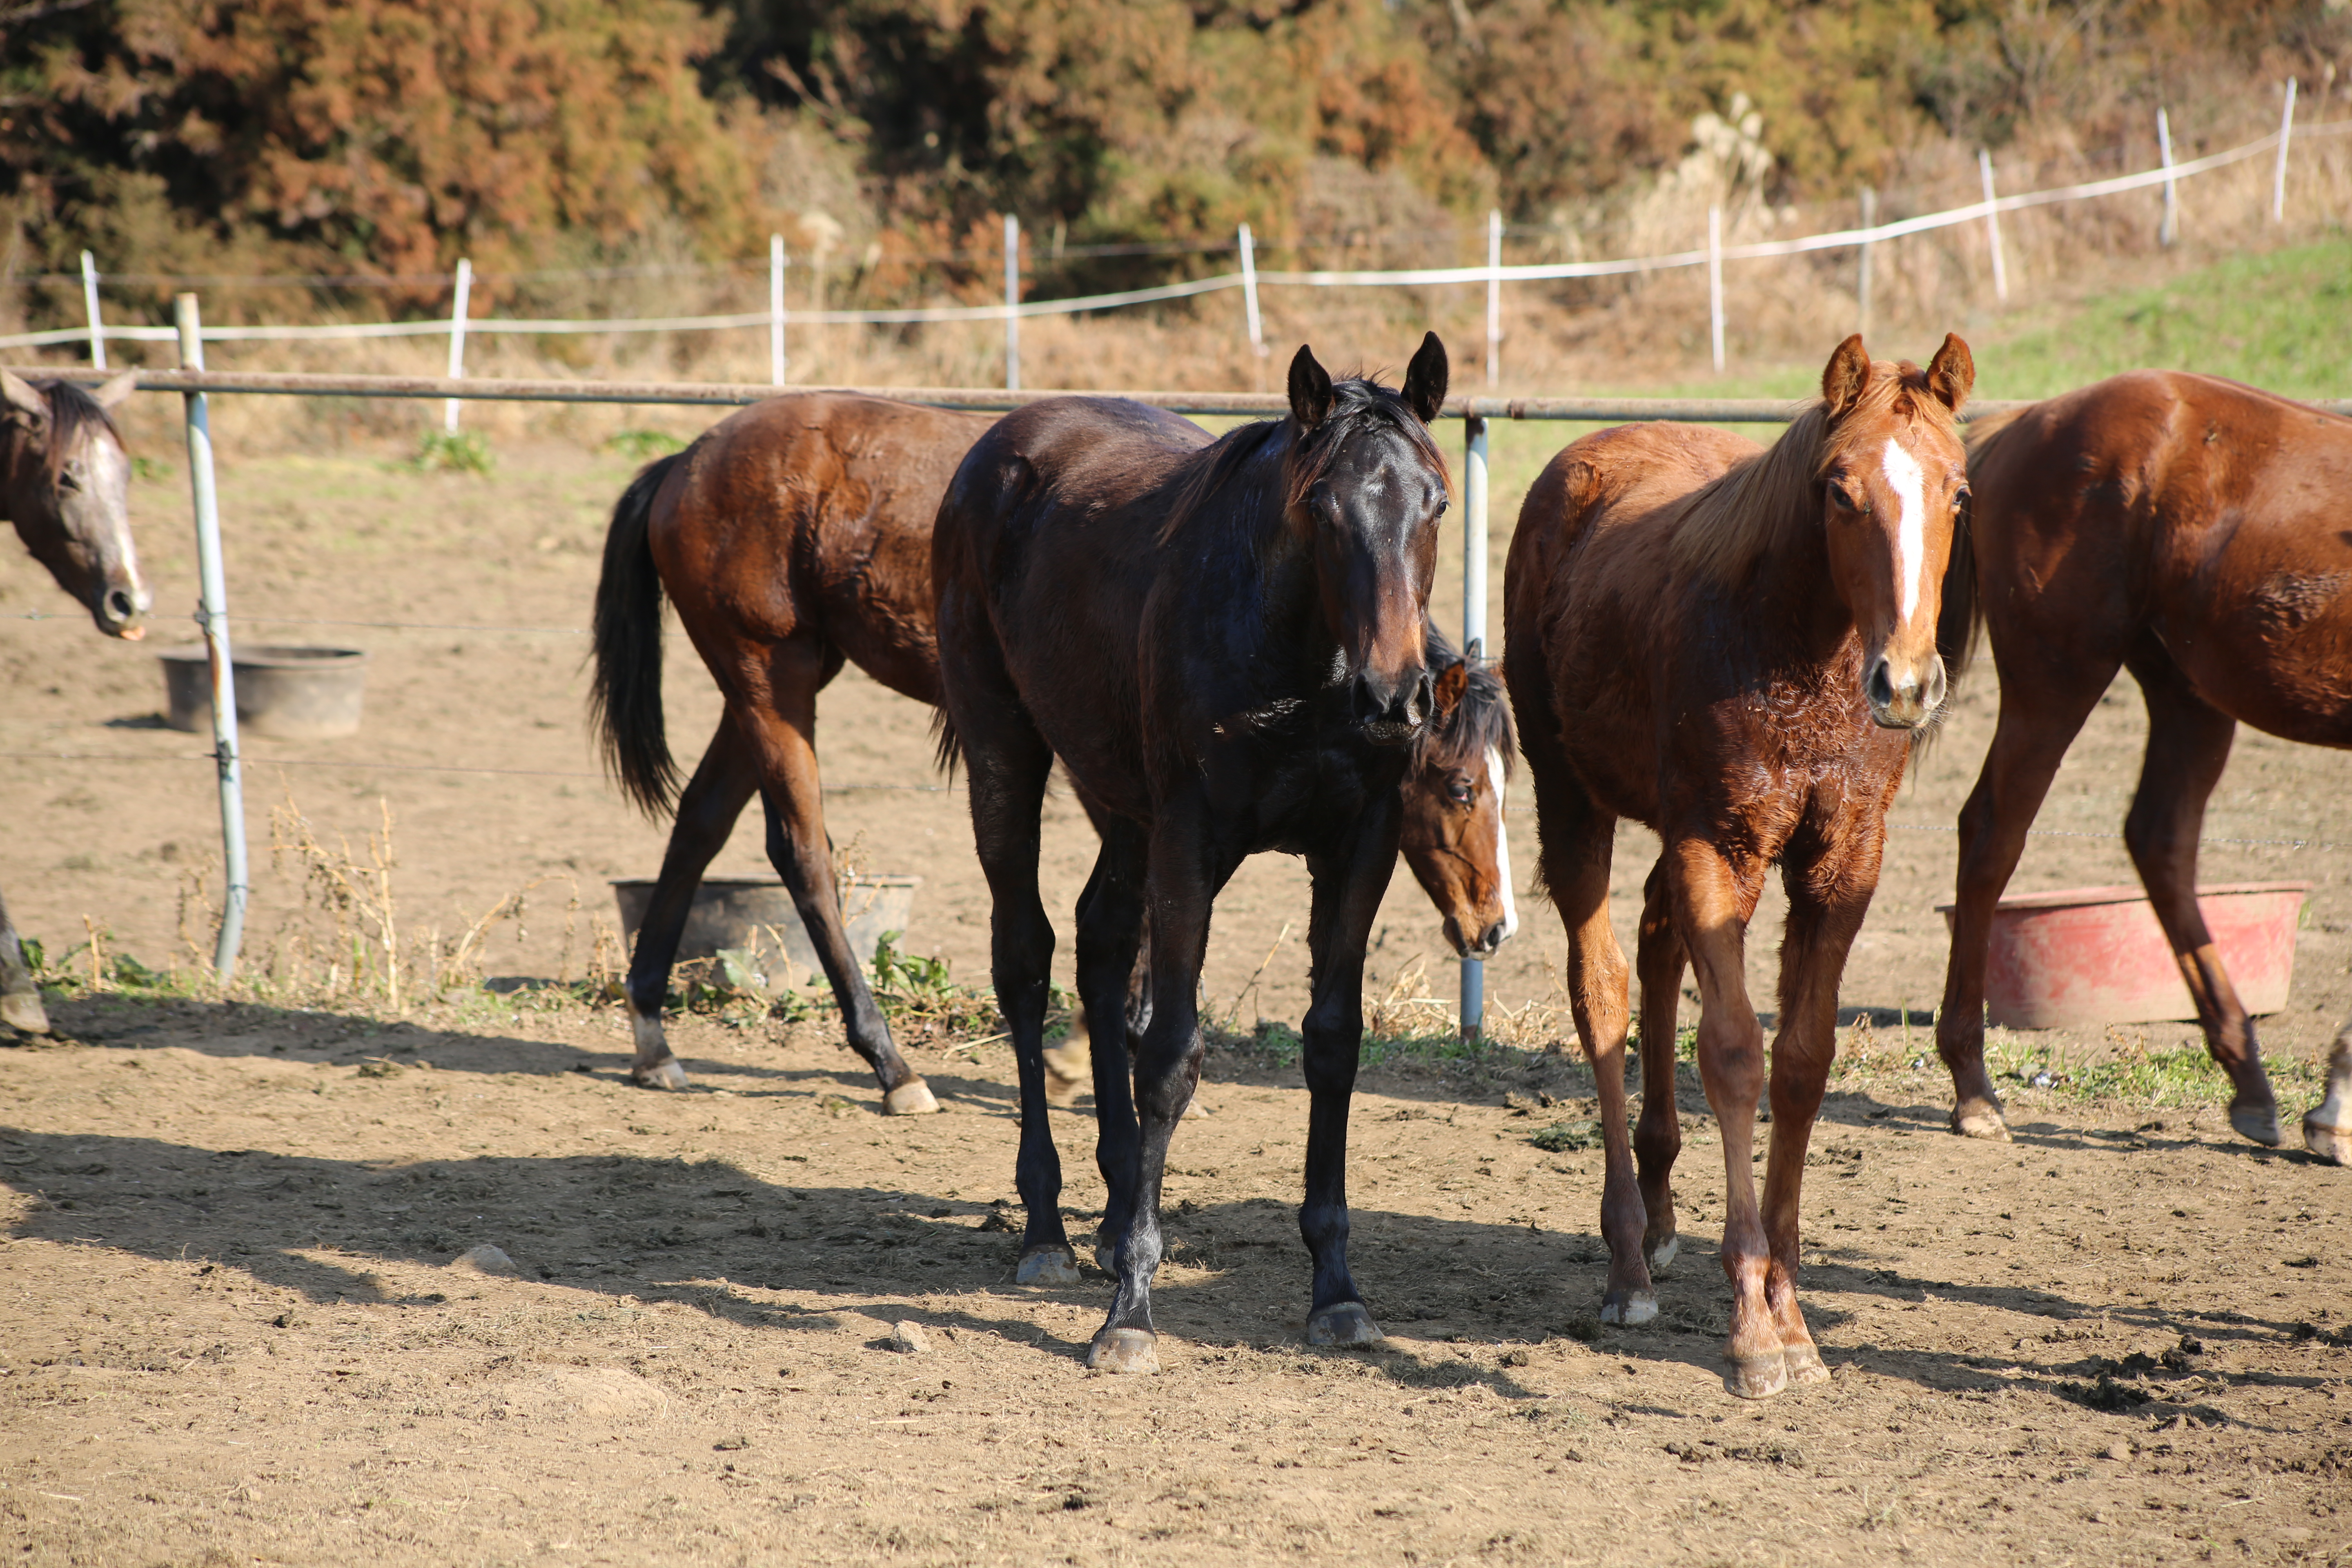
point(1842, 379)
point(24, 398)
point(1424, 379)
point(1452, 682)
point(116, 391)
point(1952, 373)
point(1310, 389)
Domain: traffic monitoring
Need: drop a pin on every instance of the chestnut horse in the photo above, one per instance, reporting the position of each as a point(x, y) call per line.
point(2193, 532)
point(1224, 642)
point(796, 534)
point(1735, 646)
point(65, 479)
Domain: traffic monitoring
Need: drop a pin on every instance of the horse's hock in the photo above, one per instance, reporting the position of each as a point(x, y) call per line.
point(292, 691)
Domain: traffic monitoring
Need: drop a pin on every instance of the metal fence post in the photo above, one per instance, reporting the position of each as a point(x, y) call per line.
point(1473, 645)
point(1862, 287)
point(1012, 303)
point(90, 304)
point(777, 262)
point(1494, 296)
point(1249, 292)
point(2278, 175)
point(457, 341)
point(1992, 229)
point(1715, 285)
point(213, 616)
point(2170, 231)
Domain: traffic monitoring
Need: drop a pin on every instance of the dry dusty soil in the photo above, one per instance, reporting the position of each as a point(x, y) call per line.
point(235, 1330)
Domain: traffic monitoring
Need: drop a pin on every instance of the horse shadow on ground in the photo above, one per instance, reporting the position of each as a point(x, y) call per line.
point(716, 1237)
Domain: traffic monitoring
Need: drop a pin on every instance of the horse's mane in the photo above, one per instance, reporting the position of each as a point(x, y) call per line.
point(1481, 720)
point(1357, 403)
point(72, 412)
point(1765, 504)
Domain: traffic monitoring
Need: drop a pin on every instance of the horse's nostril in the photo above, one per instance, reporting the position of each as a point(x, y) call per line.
point(120, 602)
point(1880, 687)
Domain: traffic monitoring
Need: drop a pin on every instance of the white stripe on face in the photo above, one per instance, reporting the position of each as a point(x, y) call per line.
point(1909, 484)
point(1502, 843)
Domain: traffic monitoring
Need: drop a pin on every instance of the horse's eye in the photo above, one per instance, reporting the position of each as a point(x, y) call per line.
point(1443, 504)
point(1460, 791)
point(1960, 497)
point(68, 482)
point(1845, 501)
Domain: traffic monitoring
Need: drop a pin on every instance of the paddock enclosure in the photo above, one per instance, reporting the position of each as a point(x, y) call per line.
point(236, 1331)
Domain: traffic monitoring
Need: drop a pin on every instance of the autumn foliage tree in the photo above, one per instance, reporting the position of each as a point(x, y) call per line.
point(376, 137)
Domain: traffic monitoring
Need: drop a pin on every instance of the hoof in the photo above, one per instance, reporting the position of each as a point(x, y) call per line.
point(2257, 1122)
point(1106, 1259)
point(1979, 1119)
point(912, 1098)
point(1662, 1256)
point(1632, 1309)
point(1803, 1364)
point(1346, 1323)
point(666, 1073)
point(1049, 1265)
point(2333, 1145)
point(1759, 1376)
point(21, 1010)
point(1124, 1349)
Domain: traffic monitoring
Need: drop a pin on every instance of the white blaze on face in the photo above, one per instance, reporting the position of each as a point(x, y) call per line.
point(1502, 843)
point(1909, 484)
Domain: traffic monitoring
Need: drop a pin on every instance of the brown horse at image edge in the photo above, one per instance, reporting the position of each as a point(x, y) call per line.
point(794, 536)
point(1736, 646)
point(2193, 532)
point(64, 480)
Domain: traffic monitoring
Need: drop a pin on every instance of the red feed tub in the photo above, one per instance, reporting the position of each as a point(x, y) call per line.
point(2097, 955)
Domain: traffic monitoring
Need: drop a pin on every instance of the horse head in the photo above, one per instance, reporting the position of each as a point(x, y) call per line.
point(68, 489)
point(1452, 835)
point(1893, 483)
point(1365, 487)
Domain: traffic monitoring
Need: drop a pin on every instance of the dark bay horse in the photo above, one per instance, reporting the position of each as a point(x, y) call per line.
point(794, 535)
point(1735, 646)
point(2197, 533)
point(66, 482)
point(1224, 642)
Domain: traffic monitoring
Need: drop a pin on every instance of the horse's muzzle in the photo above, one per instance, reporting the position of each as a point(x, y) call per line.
point(1907, 698)
point(120, 611)
point(1391, 711)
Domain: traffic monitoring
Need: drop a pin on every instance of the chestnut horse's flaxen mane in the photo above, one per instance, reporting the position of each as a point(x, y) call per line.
point(1766, 503)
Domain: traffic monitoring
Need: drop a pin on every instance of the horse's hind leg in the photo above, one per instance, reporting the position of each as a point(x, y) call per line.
point(1110, 936)
point(20, 999)
point(783, 734)
point(1658, 959)
point(2188, 746)
point(2327, 1126)
point(2039, 715)
point(723, 784)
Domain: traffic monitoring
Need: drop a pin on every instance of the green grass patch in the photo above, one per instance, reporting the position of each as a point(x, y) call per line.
point(643, 446)
point(2170, 1077)
point(452, 452)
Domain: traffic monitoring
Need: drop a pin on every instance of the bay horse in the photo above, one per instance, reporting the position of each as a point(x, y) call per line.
point(795, 535)
point(1224, 642)
point(2194, 532)
point(1734, 646)
point(65, 479)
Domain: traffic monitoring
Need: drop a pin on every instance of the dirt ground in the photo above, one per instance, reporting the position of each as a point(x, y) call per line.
point(236, 1331)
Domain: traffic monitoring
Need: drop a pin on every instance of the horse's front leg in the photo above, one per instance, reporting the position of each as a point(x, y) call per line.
point(1186, 868)
point(1713, 899)
point(20, 998)
point(1349, 885)
point(1829, 888)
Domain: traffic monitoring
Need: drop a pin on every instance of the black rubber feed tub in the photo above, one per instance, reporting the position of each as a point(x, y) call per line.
point(292, 691)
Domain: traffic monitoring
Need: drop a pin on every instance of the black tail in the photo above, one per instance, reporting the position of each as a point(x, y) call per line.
point(624, 703)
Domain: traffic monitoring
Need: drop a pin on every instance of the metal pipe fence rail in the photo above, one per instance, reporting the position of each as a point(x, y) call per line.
point(197, 384)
